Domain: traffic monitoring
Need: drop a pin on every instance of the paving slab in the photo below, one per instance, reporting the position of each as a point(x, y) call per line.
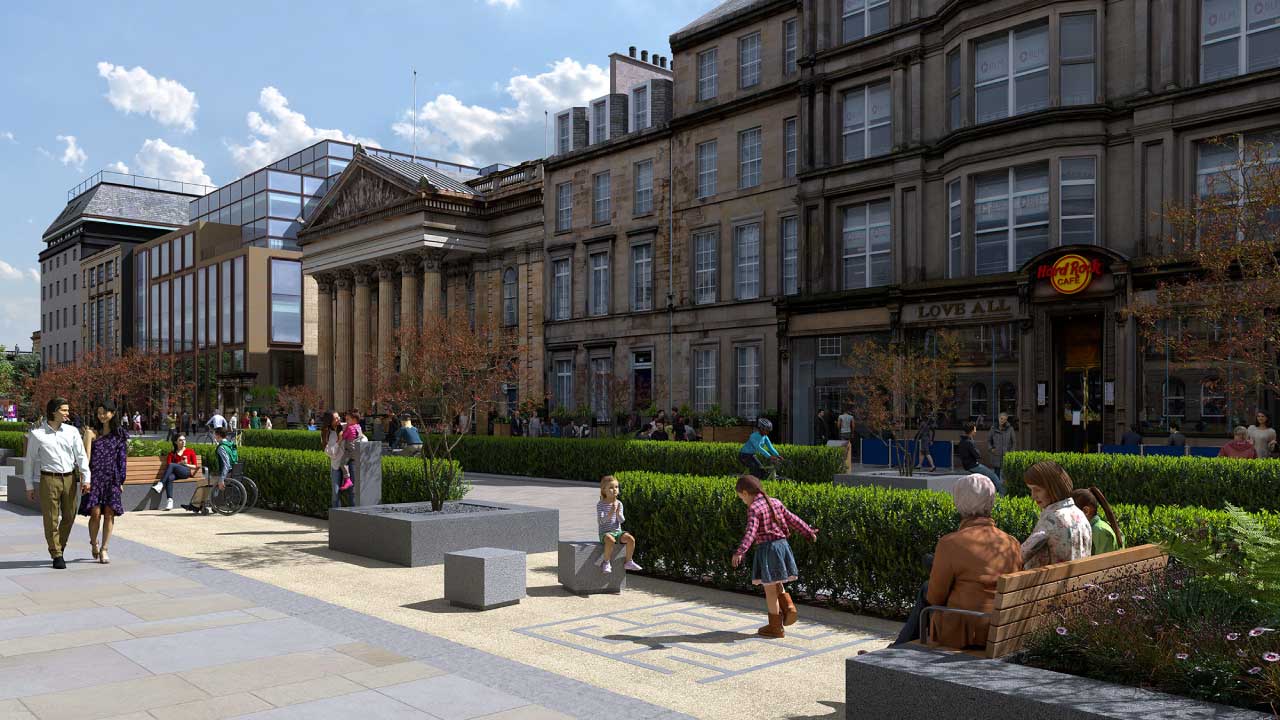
point(106, 700)
point(273, 671)
point(367, 704)
point(450, 697)
point(64, 670)
point(235, 643)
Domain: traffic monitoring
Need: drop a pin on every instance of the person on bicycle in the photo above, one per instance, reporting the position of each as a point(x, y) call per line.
point(757, 446)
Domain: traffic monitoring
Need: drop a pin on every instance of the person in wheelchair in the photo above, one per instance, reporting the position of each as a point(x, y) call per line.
point(227, 455)
point(757, 446)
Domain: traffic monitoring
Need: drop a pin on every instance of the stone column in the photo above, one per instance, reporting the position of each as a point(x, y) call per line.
point(361, 347)
point(408, 299)
point(431, 266)
point(342, 367)
point(386, 333)
point(324, 354)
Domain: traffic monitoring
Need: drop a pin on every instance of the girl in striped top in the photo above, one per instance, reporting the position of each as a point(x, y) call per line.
point(769, 522)
point(609, 517)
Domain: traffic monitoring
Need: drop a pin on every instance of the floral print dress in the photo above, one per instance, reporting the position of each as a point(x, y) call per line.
point(106, 472)
point(1063, 534)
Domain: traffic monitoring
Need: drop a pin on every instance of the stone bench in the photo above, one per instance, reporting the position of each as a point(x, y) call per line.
point(579, 567)
point(484, 578)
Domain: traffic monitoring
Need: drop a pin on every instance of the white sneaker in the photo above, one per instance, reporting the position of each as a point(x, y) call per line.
point(606, 568)
point(631, 565)
point(169, 505)
point(158, 486)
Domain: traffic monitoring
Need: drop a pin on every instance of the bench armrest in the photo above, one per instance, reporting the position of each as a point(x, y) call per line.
point(924, 617)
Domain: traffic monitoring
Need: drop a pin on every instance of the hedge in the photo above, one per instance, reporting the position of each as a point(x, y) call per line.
point(297, 481)
point(870, 540)
point(1157, 480)
point(588, 460)
point(10, 426)
point(15, 441)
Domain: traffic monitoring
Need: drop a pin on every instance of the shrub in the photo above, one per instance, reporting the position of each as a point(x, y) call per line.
point(870, 540)
point(9, 426)
point(297, 481)
point(588, 460)
point(15, 441)
point(1207, 482)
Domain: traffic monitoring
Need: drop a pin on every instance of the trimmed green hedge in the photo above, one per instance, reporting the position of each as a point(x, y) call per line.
point(588, 460)
point(1156, 480)
point(297, 481)
point(870, 540)
point(15, 441)
point(7, 426)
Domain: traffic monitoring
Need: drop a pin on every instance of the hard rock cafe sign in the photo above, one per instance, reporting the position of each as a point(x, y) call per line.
point(1070, 274)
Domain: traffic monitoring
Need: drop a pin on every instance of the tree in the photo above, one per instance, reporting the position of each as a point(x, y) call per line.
point(135, 381)
point(898, 381)
point(453, 372)
point(1220, 314)
point(301, 399)
point(6, 374)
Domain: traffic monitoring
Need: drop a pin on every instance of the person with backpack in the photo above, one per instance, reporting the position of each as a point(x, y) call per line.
point(227, 455)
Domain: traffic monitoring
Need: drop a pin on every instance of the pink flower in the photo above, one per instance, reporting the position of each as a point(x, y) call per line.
point(1257, 632)
point(1182, 656)
point(1119, 611)
point(1062, 630)
point(1233, 636)
point(1139, 597)
point(1271, 657)
point(1255, 670)
point(1113, 597)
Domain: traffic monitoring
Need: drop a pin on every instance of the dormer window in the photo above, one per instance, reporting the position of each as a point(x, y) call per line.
point(562, 134)
point(599, 121)
point(640, 107)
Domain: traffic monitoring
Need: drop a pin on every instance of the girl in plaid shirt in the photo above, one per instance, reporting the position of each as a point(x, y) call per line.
point(769, 522)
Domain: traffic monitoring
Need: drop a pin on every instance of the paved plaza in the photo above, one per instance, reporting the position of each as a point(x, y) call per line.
point(254, 616)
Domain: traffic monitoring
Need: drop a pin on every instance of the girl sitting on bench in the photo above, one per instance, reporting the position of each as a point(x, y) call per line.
point(609, 517)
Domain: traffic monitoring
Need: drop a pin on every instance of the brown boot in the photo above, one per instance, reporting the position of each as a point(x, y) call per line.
point(774, 628)
point(789, 612)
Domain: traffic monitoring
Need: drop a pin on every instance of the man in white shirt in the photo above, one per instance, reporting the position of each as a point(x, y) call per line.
point(55, 450)
point(217, 421)
point(845, 424)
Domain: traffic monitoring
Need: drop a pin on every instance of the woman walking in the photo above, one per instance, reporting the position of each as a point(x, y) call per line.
point(108, 452)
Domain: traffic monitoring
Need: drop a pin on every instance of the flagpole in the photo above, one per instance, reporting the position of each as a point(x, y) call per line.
point(414, 111)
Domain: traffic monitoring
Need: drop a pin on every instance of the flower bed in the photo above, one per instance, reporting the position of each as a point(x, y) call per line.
point(1156, 480)
point(588, 460)
point(870, 543)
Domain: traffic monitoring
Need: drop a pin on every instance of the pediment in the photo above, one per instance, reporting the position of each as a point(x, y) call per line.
point(362, 192)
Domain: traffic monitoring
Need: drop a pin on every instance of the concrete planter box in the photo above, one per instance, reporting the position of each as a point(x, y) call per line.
point(923, 684)
point(942, 482)
point(406, 535)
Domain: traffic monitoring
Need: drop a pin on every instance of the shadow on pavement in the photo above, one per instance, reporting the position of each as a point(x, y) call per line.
point(439, 605)
point(272, 532)
point(548, 591)
point(656, 642)
point(837, 712)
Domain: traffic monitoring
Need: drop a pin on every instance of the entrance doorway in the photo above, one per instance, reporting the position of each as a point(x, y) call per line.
point(1079, 402)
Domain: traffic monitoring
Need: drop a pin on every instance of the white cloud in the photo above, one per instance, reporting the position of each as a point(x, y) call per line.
point(282, 131)
point(167, 101)
point(119, 167)
point(7, 135)
point(10, 273)
point(33, 274)
point(508, 4)
point(474, 134)
point(72, 154)
point(159, 159)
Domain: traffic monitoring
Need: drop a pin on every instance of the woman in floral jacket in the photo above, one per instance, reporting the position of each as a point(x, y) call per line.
point(1063, 532)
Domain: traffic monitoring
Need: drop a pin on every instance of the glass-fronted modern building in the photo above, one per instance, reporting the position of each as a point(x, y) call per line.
point(271, 204)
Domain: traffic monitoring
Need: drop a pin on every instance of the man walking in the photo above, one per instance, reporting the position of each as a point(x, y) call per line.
point(55, 450)
point(1000, 441)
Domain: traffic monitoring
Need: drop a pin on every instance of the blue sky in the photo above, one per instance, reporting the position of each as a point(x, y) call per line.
point(206, 91)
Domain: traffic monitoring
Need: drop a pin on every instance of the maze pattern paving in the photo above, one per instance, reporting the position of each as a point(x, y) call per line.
point(698, 642)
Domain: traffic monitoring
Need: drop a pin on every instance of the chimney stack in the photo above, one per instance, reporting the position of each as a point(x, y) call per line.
point(662, 62)
point(644, 56)
point(632, 51)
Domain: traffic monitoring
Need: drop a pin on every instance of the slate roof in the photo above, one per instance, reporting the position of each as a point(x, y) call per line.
point(721, 12)
point(126, 203)
point(412, 172)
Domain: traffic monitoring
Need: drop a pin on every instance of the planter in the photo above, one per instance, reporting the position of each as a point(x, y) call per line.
point(502, 429)
point(734, 434)
point(410, 534)
point(893, 479)
point(914, 683)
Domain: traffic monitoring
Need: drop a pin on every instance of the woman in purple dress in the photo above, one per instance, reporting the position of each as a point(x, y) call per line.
point(100, 499)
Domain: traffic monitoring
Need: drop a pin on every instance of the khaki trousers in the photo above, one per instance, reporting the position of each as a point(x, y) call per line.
point(58, 497)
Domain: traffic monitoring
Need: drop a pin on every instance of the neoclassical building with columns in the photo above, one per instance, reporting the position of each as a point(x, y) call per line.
point(395, 241)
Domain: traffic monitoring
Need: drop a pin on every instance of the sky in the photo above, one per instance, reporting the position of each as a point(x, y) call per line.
point(205, 92)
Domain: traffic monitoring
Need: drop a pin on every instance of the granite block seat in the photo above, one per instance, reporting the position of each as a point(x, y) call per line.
point(579, 567)
point(484, 578)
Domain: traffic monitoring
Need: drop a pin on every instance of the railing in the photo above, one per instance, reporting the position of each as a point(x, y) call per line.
point(139, 181)
point(507, 178)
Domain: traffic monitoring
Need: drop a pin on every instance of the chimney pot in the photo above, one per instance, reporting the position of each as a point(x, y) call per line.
point(662, 62)
point(632, 51)
point(644, 56)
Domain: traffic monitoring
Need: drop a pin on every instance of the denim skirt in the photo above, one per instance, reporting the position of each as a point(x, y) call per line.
point(773, 562)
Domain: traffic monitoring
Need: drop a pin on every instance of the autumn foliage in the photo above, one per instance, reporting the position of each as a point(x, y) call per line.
point(136, 381)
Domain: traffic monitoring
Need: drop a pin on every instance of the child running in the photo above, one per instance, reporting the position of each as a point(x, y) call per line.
point(769, 523)
point(609, 516)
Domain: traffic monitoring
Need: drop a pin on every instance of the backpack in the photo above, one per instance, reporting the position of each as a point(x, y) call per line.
point(233, 452)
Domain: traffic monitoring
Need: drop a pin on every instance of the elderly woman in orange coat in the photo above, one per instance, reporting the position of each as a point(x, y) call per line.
point(966, 565)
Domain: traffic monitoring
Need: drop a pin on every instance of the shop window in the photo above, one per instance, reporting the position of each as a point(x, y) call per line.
point(977, 401)
point(1238, 37)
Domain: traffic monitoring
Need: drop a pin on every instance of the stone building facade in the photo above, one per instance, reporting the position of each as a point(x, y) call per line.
point(106, 279)
point(394, 241)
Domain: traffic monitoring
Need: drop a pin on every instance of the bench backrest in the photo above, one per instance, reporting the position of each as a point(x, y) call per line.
point(147, 469)
point(1025, 601)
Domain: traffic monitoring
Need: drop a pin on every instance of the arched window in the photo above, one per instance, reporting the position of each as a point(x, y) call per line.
point(1213, 400)
point(509, 297)
point(977, 401)
point(1009, 398)
point(1175, 398)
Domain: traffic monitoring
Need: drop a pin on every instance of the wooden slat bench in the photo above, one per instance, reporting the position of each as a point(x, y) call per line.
point(1025, 601)
point(142, 472)
point(146, 470)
